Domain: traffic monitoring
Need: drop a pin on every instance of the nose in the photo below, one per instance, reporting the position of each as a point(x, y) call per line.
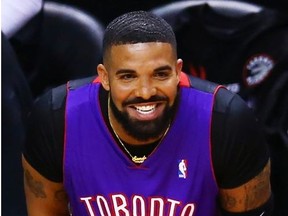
point(145, 89)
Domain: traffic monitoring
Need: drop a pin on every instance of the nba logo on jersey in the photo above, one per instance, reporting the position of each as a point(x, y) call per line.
point(182, 168)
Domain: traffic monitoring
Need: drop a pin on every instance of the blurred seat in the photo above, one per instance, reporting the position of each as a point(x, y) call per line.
point(67, 44)
point(244, 47)
point(216, 35)
point(107, 10)
point(57, 44)
point(16, 104)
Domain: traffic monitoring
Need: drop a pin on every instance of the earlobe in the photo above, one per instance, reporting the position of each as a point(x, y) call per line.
point(103, 75)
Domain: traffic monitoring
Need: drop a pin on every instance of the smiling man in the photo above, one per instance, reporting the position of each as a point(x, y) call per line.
point(142, 82)
point(144, 139)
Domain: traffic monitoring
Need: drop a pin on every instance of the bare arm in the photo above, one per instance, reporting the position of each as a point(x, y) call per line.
point(43, 197)
point(248, 196)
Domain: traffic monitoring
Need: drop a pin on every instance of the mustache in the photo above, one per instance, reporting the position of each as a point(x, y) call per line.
point(136, 100)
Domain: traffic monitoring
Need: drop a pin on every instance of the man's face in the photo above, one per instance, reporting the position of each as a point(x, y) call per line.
point(142, 79)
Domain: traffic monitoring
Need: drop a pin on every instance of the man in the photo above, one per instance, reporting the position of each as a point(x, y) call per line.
point(139, 140)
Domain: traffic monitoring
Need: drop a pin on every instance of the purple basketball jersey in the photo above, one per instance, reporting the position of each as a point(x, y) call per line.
point(176, 179)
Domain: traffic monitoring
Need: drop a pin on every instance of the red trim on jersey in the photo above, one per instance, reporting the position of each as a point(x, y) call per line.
point(65, 132)
point(97, 80)
point(184, 80)
point(210, 134)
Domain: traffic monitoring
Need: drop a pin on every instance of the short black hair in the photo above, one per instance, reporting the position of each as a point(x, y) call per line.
point(138, 27)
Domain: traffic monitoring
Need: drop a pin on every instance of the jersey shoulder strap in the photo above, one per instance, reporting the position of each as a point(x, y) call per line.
point(74, 84)
point(59, 93)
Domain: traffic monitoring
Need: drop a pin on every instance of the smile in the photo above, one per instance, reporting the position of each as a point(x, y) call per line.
point(145, 109)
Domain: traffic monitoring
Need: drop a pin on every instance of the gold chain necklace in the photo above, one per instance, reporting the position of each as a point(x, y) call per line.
point(135, 159)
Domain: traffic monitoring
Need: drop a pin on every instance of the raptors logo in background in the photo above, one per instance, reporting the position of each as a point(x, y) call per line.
point(257, 69)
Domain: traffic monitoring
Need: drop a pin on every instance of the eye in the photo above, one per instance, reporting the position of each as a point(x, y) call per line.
point(161, 75)
point(127, 77)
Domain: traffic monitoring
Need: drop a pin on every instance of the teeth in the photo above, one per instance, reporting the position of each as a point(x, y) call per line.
point(145, 109)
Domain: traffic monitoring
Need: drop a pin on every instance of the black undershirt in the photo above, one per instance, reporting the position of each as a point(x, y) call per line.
point(239, 151)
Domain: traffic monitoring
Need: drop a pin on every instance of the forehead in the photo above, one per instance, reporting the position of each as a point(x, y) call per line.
point(141, 52)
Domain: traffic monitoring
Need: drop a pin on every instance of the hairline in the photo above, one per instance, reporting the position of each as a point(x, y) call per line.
point(107, 51)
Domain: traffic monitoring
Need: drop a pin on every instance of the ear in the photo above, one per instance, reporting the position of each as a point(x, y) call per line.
point(103, 75)
point(179, 66)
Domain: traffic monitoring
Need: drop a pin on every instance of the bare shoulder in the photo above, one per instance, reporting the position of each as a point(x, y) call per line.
point(43, 195)
point(248, 196)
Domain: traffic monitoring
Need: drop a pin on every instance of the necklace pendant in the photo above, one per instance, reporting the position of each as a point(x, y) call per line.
point(139, 160)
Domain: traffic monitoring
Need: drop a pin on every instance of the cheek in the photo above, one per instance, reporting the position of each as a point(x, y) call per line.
point(118, 96)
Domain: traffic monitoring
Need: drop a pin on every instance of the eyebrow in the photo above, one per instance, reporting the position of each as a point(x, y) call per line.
point(166, 67)
point(124, 71)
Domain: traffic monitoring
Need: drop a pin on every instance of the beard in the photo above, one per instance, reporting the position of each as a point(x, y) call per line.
point(145, 130)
